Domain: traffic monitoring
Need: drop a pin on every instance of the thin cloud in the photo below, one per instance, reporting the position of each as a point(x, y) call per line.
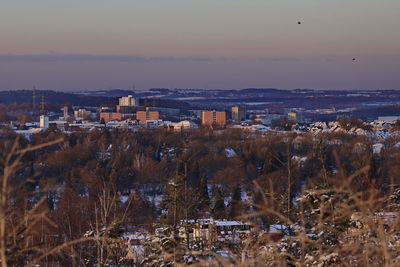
point(51, 57)
point(279, 59)
point(98, 58)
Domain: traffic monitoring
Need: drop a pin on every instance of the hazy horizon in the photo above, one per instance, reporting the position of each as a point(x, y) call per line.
point(220, 44)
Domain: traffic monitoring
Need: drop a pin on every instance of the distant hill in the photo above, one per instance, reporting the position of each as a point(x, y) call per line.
point(82, 99)
point(261, 91)
point(120, 93)
point(55, 98)
point(107, 93)
point(392, 110)
point(164, 103)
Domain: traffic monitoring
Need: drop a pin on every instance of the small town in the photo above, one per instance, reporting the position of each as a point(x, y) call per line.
point(200, 202)
point(199, 133)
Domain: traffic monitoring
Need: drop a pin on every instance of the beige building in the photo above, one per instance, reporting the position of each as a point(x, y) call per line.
point(182, 125)
point(128, 101)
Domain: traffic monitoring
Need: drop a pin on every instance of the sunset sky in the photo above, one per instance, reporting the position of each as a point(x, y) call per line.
point(228, 44)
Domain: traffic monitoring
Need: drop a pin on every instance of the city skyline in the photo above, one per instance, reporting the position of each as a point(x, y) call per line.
point(210, 44)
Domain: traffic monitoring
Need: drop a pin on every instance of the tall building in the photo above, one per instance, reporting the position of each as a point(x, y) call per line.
point(44, 122)
point(143, 116)
point(213, 118)
point(65, 112)
point(238, 114)
point(128, 101)
point(127, 105)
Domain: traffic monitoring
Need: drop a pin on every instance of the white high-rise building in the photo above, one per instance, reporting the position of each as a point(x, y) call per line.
point(128, 101)
point(65, 111)
point(44, 122)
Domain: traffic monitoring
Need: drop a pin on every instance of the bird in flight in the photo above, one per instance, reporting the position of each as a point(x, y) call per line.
point(353, 59)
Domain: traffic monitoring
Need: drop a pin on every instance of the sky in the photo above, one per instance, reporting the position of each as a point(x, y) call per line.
point(226, 44)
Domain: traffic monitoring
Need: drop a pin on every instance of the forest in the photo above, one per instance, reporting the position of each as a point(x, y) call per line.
point(68, 199)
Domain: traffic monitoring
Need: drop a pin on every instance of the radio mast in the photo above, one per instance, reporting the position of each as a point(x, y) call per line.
point(42, 106)
point(34, 100)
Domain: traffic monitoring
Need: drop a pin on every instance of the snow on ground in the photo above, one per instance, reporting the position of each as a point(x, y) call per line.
point(300, 160)
point(124, 198)
point(155, 199)
point(377, 148)
point(230, 152)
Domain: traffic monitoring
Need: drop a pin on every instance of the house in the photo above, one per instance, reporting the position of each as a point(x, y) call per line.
point(208, 231)
point(182, 125)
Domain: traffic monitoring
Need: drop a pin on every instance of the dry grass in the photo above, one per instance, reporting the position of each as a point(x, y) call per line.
point(333, 225)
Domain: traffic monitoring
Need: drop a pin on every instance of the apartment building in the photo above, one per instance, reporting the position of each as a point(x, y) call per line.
point(209, 118)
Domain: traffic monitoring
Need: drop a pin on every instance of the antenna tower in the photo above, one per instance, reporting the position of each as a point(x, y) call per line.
point(33, 100)
point(42, 105)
